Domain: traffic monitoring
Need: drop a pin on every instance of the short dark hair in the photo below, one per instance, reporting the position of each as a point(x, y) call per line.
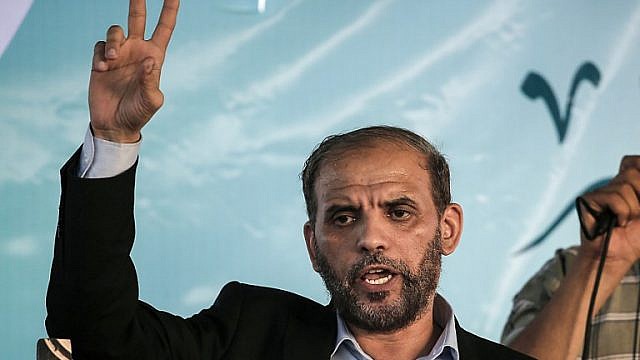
point(334, 145)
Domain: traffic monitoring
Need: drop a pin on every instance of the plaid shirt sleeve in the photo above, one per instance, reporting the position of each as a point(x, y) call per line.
point(536, 293)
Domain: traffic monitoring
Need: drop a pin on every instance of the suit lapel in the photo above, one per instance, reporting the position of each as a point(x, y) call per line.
point(472, 347)
point(310, 335)
point(466, 348)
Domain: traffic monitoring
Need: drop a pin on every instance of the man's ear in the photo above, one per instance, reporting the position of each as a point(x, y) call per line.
point(310, 239)
point(451, 228)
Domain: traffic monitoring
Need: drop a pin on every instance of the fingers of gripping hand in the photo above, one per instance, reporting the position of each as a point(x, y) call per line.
point(622, 194)
point(627, 184)
point(617, 200)
point(630, 161)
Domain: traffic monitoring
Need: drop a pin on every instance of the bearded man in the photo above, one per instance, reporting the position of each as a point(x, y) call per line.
point(380, 218)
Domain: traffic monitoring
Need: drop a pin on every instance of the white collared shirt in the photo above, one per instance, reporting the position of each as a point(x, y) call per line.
point(446, 348)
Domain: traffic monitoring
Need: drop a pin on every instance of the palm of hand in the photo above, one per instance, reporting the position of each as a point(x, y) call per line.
point(625, 243)
point(124, 96)
point(624, 246)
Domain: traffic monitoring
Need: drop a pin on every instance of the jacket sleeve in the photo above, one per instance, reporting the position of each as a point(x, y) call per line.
point(93, 290)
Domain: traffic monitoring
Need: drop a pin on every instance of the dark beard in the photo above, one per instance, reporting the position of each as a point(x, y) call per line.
point(417, 290)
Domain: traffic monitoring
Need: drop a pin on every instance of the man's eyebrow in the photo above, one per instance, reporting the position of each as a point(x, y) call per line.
point(341, 207)
point(402, 200)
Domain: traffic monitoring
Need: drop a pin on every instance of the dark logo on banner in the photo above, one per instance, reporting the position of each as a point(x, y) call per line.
point(535, 86)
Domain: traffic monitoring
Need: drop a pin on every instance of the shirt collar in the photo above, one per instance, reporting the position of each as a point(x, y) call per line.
point(446, 347)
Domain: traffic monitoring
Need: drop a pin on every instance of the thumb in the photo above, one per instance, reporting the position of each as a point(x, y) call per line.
point(150, 82)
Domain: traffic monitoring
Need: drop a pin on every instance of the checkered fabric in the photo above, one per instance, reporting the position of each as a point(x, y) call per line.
point(612, 328)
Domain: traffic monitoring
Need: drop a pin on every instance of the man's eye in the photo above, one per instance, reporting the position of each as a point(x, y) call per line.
point(343, 220)
point(399, 214)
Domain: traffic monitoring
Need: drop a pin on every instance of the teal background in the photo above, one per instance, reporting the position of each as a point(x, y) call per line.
point(248, 95)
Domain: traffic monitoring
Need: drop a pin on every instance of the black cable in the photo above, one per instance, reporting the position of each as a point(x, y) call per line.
point(594, 292)
point(635, 323)
point(604, 224)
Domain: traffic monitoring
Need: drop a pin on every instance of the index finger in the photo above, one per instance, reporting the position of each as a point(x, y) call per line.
point(137, 18)
point(630, 161)
point(166, 24)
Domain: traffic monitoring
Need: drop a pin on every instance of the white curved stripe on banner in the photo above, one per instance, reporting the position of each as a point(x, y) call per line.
point(12, 12)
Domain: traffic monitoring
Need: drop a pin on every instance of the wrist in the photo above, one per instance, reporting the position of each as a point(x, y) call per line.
point(615, 267)
point(116, 135)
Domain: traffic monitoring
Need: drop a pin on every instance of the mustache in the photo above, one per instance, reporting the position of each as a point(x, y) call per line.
point(377, 258)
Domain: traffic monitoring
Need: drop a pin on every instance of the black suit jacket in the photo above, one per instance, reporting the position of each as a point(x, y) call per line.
point(93, 296)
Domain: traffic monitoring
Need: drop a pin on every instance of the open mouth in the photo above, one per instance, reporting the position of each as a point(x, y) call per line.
point(377, 275)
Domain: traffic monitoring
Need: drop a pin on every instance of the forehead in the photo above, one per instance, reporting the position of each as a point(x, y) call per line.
point(384, 164)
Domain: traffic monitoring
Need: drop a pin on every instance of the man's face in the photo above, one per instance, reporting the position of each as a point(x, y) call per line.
point(376, 240)
point(417, 289)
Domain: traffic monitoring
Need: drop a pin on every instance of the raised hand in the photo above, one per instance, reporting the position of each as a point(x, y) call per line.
point(622, 197)
point(124, 90)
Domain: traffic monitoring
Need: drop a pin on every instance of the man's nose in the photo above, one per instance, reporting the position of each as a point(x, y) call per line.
point(373, 236)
